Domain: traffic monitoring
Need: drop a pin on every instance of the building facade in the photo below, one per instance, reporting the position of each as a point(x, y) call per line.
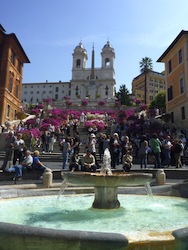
point(93, 83)
point(175, 59)
point(12, 59)
point(34, 93)
point(155, 83)
point(87, 83)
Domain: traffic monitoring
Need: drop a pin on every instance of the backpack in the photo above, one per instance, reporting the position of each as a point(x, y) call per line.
point(178, 148)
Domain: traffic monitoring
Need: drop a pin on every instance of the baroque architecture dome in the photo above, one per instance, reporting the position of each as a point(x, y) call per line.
point(80, 48)
point(108, 47)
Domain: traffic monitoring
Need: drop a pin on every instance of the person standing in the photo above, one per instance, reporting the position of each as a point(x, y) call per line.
point(76, 144)
point(44, 141)
point(92, 147)
point(52, 140)
point(178, 149)
point(9, 148)
point(143, 151)
point(166, 150)
point(19, 146)
point(114, 150)
point(66, 149)
point(155, 145)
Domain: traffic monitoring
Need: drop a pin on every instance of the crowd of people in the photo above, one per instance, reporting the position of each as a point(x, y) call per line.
point(163, 149)
point(18, 157)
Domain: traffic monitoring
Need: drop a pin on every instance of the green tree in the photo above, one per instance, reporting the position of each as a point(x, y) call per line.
point(159, 102)
point(145, 67)
point(123, 95)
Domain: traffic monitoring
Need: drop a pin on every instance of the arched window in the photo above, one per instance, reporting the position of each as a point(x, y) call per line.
point(8, 111)
point(107, 62)
point(106, 90)
point(76, 90)
point(11, 76)
point(78, 63)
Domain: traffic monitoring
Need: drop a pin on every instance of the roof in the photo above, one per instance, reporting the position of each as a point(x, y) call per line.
point(2, 29)
point(183, 32)
point(150, 72)
point(13, 36)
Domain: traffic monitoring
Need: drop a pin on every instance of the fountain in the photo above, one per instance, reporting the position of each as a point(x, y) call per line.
point(105, 188)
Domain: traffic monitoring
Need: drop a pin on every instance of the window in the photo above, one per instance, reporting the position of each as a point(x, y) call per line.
point(10, 83)
point(169, 66)
point(183, 113)
point(8, 111)
point(107, 62)
point(181, 86)
point(170, 93)
point(106, 90)
point(17, 91)
point(56, 89)
point(78, 63)
point(56, 96)
point(19, 67)
point(76, 90)
point(180, 57)
point(13, 57)
point(14, 114)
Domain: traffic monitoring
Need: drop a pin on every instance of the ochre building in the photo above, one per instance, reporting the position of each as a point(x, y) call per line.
point(175, 58)
point(12, 59)
point(155, 83)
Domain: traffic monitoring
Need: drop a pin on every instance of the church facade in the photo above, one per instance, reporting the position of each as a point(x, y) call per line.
point(87, 83)
point(93, 83)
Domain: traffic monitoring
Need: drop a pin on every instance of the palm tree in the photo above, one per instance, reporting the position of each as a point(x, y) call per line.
point(145, 67)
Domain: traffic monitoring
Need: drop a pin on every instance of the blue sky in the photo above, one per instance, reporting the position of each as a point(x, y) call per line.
point(50, 30)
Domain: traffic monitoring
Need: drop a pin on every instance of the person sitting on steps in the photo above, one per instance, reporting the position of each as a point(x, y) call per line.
point(88, 162)
point(25, 164)
point(37, 164)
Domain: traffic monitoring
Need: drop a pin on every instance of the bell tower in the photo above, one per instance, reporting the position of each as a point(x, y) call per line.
point(79, 61)
point(108, 56)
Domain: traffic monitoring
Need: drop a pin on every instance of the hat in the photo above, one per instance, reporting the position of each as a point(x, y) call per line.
point(115, 134)
point(93, 135)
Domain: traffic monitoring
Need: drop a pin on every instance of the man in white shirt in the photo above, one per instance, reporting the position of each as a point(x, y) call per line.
point(167, 145)
point(26, 164)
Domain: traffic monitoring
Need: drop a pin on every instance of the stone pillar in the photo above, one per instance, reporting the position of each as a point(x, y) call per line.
point(47, 178)
point(160, 177)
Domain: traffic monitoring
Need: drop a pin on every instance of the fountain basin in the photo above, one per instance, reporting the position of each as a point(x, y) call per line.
point(74, 238)
point(99, 180)
point(106, 186)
